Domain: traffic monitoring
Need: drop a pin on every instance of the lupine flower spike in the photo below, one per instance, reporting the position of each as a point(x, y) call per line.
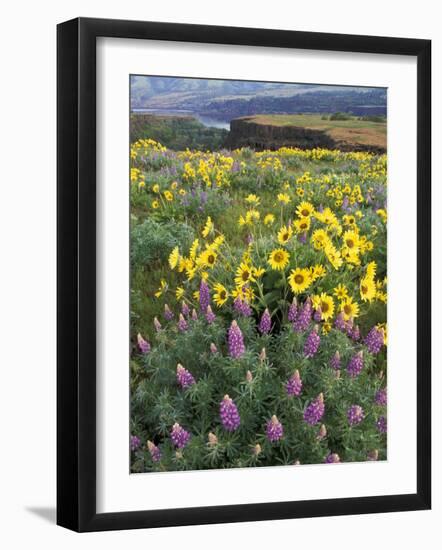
point(184, 377)
point(315, 411)
point(229, 414)
point(182, 323)
point(179, 436)
point(294, 385)
point(356, 364)
point(274, 429)
point(143, 345)
point(235, 341)
point(266, 323)
point(311, 345)
point(155, 452)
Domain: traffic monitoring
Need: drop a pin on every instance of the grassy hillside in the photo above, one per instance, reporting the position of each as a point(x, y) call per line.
point(354, 130)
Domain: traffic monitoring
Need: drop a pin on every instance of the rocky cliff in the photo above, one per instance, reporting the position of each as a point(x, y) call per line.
point(244, 132)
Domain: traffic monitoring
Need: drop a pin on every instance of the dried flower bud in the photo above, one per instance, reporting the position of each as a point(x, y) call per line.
point(249, 376)
point(213, 440)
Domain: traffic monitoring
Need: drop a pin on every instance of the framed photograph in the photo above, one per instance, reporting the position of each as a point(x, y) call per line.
point(243, 271)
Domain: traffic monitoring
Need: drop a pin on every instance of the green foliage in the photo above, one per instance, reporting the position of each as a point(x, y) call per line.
point(152, 241)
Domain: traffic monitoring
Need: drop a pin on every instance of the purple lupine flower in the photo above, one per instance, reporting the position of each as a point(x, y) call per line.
point(204, 296)
point(265, 323)
point(317, 315)
point(210, 316)
point(242, 307)
point(194, 315)
point(302, 237)
point(294, 385)
point(381, 424)
point(157, 324)
point(229, 414)
point(184, 377)
point(332, 458)
point(168, 313)
point(185, 310)
point(315, 411)
point(349, 327)
point(373, 455)
point(355, 415)
point(293, 309)
point(374, 340)
point(134, 442)
point(179, 436)
point(155, 452)
point(182, 323)
point(304, 317)
point(355, 365)
point(274, 429)
point(312, 342)
point(235, 341)
point(381, 397)
point(335, 361)
point(340, 323)
point(143, 344)
point(355, 333)
point(213, 348)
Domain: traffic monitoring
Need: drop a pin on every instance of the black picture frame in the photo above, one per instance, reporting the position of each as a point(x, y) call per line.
point(76, 274)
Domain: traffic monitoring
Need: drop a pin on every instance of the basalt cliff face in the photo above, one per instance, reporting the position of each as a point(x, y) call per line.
point(258, 136)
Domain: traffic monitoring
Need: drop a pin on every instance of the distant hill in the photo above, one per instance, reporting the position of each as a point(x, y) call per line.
point(227, 99)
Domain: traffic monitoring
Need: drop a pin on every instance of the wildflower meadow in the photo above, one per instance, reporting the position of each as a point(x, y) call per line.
point(258, 307)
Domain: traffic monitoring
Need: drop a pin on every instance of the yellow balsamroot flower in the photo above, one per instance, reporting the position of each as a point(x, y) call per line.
point(221, 295)
point(283, 198)
point(381, 296)
point(299, 279)
point(162, 289)
point(367, 289)
point(156, 188)
point(278, 259)
point(193, 249)
point(182, 192)
point(155, 204)
point(284, 234)
point(302, 225)
point(208, 228)
point(207, 258)
point(174, 185)
point(218, 241)
point(253, 199)
point(244, 274)
point(179, 292)
point(168, 195)
point(349, 308)
point(317, 271)
point(269, 219)
point(371, 270)
point(383, 328)
point(258, 272)
point(300, 191)
point(340, 292)
point(305, 209)
point(382, 214)
point(350, 240)
point(349, 220)
point(174, 258)
point(333, 256)
point(325, 304)
point(326, 327)
point(320, 239)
